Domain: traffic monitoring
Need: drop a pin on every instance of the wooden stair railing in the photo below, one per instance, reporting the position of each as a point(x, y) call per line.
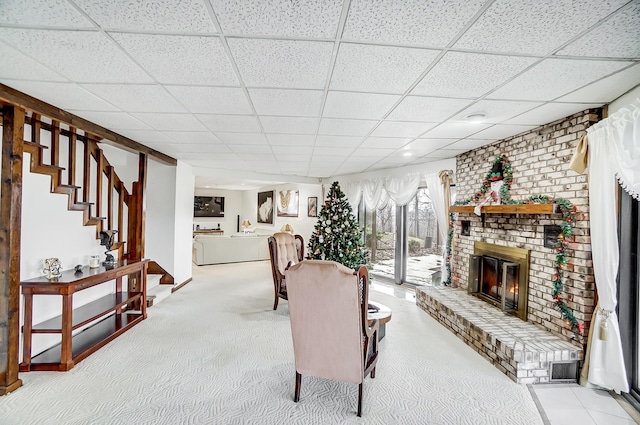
point(100, 184)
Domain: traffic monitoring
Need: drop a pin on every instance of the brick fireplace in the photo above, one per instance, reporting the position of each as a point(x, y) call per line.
point(540, 163)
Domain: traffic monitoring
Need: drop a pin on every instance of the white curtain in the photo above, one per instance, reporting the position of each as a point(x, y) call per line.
point(353, 192)
point(372, 191)
point(614, 150)
point(402, 189)
point(437, 194)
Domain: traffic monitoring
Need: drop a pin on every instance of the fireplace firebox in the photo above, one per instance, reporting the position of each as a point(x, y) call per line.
point(499, 275)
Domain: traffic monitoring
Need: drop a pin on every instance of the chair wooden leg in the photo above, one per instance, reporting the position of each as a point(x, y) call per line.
point(373, 373)
point(360, 399)
point(296, 396)
point(275, 303)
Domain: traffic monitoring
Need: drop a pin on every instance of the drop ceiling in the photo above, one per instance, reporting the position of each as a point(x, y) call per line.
point(279, 90)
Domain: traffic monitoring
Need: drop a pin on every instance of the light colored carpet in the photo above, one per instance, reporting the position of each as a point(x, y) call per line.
point(216, 353)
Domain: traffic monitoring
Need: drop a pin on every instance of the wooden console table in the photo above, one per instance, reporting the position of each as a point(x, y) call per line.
point(114, 313)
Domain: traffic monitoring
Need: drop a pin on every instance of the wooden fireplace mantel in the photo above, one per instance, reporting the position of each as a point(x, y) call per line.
point(508, 209)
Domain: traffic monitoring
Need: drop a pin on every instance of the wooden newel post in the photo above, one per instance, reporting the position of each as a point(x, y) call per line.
point(10, 221)
point(136, 227)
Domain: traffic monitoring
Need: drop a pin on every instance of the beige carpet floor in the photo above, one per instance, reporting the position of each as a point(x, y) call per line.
point(216, 353)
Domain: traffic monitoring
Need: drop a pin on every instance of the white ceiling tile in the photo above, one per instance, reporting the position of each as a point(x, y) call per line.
point(549, 112)
point(282, 63)
point(257, 157)
point(297, 103)
point(201, 147)
point(291, 139)
point(417, 22)
point(87, 56)
point(214, 163)
point(384, 142)
point(427, 109)
point(172, 59)
point(496, 111)
point(330, 152)
point(423, 146)
point(554, 77)
point(502, 131)
point(227, 157)
point(212, 100)
point(606, 89)
point(469, 144)
point(192, 137)
point(447, 153)
point(292, 150)
point(252, 149)
point(289, 125)
point(373, 152)
point(281, 18)
point(450, 130)
point(341, 127)
point(534, 26)
point(75, 97)
point(114, 120)
point(382, 69)
point(401, 129)
point(170, 122)
point(185, 16)
point(338, 141)
point(358, 105)
point(617, 37)
point(136, 98)
point(242, 138)
point(16, 65)
point(50, 13)
point(146, 136)
point(231, 123)
point(299, 159)
point(470, 74)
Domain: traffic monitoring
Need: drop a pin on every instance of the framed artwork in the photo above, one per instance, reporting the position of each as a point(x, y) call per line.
point(265, 207)
point(208, 206)
point(287, 203)
point(312, 206)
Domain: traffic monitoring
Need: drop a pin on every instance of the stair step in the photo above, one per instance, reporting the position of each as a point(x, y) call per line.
point(65, 189)
point(36, 145)
point(159, 292)
point(80, 206)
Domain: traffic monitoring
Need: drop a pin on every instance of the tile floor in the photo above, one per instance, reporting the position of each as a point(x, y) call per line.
point(559, 404)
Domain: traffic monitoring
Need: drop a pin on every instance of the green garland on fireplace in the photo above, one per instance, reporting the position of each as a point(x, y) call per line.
point(568, 221)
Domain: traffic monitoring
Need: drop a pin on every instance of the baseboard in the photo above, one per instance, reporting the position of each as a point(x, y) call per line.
point(176, 287)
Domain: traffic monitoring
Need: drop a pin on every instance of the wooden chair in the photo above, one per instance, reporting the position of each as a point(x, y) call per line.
point(285, 249)
point(332, 337)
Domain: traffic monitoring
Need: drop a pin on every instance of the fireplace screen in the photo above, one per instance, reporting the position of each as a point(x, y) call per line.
point(497, 281)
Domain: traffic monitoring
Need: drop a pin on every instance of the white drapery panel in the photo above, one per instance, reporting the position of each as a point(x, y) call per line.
point(402, 189)
point(353, 191)
point(614, 150)
point(437, 195)
point(371, 192)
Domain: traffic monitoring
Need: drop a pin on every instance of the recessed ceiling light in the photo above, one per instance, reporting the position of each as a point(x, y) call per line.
point(475, 118)
point(206, 187)
point(407, 153)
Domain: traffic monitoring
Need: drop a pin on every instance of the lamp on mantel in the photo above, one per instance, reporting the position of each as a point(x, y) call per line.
point(287, 229)
point(246, 225)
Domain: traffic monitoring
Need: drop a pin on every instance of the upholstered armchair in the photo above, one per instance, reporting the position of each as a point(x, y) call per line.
point(285, 249)
point(332, 337)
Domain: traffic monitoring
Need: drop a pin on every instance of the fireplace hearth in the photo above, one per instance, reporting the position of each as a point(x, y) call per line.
point(499, 275)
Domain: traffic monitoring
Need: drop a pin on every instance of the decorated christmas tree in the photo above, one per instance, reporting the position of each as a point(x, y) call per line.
point(337, 235)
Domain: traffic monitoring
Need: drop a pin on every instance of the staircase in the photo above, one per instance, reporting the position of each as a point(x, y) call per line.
point(78, 168)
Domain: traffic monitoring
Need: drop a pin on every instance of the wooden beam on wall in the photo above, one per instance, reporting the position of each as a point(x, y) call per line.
point(25, 101)
point(10, 221)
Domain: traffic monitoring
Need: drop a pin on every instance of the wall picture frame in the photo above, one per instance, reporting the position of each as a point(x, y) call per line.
point(265, 207)
point(312, 206)
point(288, 203)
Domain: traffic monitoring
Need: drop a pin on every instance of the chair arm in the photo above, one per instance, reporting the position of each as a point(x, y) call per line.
point(375, 327)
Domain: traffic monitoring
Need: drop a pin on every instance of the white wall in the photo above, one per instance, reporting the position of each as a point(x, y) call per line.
point(232, 208)
point(160, 215)
point(302, 225)
point(184, 184)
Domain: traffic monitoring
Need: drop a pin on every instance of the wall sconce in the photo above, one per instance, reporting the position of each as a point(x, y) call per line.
point(246, 225)
point(287, 229)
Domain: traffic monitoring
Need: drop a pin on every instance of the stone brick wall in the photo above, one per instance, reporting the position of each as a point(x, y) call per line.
point(540, 162)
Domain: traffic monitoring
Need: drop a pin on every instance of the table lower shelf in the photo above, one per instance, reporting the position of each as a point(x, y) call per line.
point(84, 343)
